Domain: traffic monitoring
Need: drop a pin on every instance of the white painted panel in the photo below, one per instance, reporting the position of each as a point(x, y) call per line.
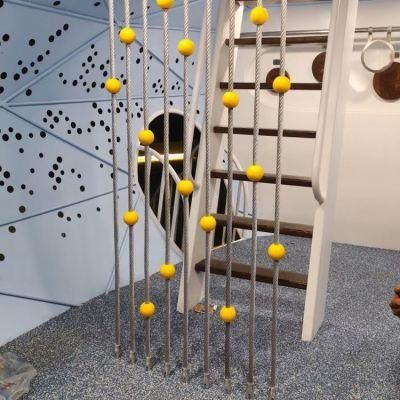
point(19, 316)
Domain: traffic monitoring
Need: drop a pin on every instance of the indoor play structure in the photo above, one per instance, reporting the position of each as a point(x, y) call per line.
point(200, 222)
point(212, 75)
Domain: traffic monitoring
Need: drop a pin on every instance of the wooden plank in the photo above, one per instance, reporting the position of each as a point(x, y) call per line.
point(289, 180)
point(276, 41)
point(263, 274)
point(265, 86)
point(264, 225)
point(293, 133)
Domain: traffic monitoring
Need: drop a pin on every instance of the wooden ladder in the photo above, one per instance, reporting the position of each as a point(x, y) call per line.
point(316, 281)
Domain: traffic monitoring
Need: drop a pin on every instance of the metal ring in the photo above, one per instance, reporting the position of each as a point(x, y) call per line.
point(386, 42)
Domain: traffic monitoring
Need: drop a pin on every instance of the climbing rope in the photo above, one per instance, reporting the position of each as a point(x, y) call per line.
point(230, 100)
point(127, 36)
point(258, 16)
point(113, 85)
point(276, 251)
point(205, 221)
point(185, 187)
point(167, 270)
point(146, 138)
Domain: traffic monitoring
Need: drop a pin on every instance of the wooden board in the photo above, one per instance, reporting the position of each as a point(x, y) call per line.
point(387, 83)
point(264, 225)
point(289, 180)
point(251, 85)
point(263, 274)
point(292, 133)
point(318, 66)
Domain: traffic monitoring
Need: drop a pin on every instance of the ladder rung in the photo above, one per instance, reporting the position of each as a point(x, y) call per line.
point(243, 271)
point(276, 41)
point(268, 132)
point(265, 86)
point(263, 225)
point(289, 180)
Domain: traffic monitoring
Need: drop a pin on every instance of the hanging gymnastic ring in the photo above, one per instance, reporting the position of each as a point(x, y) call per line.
point(386, 42)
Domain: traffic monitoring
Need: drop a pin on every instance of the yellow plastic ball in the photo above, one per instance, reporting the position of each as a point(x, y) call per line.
point(127, 35)
point(186, 47)
point(165, 4)
point(276, 251)
point(208, 223)
point(147, 309)
point(255, 173)
point(228, 314)
point(230, 99)
point(113, 85)
point(146, 137)
point(131, 217)
point(259, 15)
point(281, 84)
point(167, 271)
point(185, 187)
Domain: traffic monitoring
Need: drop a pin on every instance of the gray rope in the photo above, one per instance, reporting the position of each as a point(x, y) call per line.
point(228, 388)
point(147, 167)
point(167, 194)
point(208, 194)
point(186, 175)
point(274, 333)
point(115, 184)
point(131, 179)
point(250, 382)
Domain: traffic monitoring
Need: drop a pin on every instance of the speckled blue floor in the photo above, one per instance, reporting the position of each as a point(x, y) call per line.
point(356, 354)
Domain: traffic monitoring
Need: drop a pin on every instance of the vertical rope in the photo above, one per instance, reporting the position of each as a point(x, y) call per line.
point(274, 333)
point(208, 195)
point(250, 381)
point(186, 176)
point(117, 347)
point(228, 388)
point(167, 190)
point(146, 179)
point(131, 179)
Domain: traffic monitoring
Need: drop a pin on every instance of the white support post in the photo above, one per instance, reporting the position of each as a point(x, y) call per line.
point(196, 235)
point(327, 157)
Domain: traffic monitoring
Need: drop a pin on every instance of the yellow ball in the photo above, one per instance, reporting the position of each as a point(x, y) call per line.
point(259, 15)
point(255, 173)
point(113, 85)
point(186, 47)
point(131, 217)
point(185, 187)
point(230, 99)
point(281, 84)
point(147, 310)
point(127, 35)
point(208, 223)
point(276, 251)
point(165, 4)
point(228, 314)
point(167, 271)
point(146, 137)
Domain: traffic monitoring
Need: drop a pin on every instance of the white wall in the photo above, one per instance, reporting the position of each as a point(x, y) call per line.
point(368, 197)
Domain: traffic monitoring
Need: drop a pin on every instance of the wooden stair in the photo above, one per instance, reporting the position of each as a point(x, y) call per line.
point(264, 225)
point(265, 86)
point(289, 180)
point(263, 274)
point(276, 41)
point(293, 133)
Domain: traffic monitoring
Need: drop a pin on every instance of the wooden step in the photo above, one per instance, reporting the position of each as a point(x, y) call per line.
point(276, 41)
point(242, 271)
point(264, 225)
point(264, 85)
point(294, 133)
point(289, 180)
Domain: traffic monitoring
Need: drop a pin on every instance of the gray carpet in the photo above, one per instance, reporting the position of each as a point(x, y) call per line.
point(356, 354)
